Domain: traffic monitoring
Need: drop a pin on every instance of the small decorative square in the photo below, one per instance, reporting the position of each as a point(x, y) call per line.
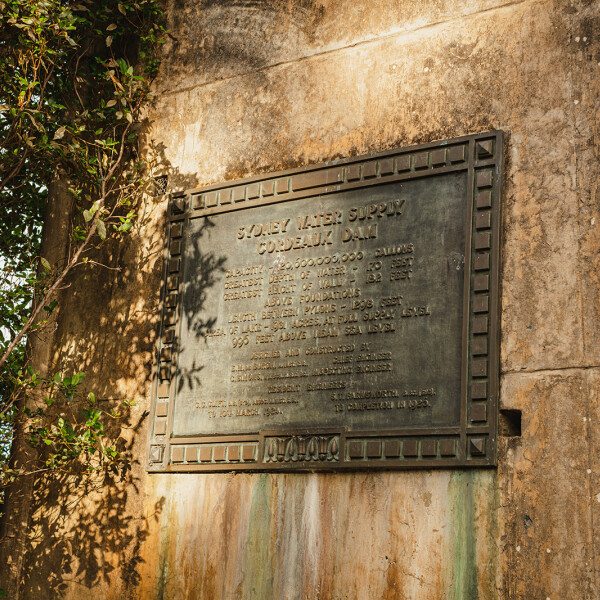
point(484, 179)
point(429, 448)
point(477, 446)
point(177, 205)
point(268, 188)
point(165, 373)
point(197, 201)
point(160, 427)
point(403, 163)
point(175, 248)
point(210, 199)
point(481, 303)
point(219, 453)
point(369, 170)
point(480, 345)
point(479, 367)
point(483, 220)
point(253, 191)
point(171, 301)
point(457, 154)
point(353, 172)
point(163, 390)
point(162, 409)
point(191, 454)
point(483, 240)
point(482, 261)
point(374, 449)
point(485, 149)
point(169, 318)
point(484, 199)
point(392, 449)
point(355, 449)
point(479, 390)
point(205, 453)
point(177, 454)
point(481, 283)
point(248, 452)
point(172, 282)
point(421, 160)
point(165, 354)
point(480, 325)
point(176, 230)
point(174, 264)
point(225, 196)
point(386, 166)
point(233, 453)
point(156, 453)
point(438, 157)
point(448, 447)
point(478, 413)
point(282, 186)
point(410, 448)
point(238, 194)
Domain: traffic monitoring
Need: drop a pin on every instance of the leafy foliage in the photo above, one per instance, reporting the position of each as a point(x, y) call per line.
point(74, 432)
point(74, 78)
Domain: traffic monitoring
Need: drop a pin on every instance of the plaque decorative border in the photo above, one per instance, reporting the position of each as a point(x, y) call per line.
point(472, 444)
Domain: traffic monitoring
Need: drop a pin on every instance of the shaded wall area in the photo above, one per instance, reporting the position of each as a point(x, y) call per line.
point(251, 86)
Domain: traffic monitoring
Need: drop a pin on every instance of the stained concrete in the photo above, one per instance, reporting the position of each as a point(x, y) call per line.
point(253, 86)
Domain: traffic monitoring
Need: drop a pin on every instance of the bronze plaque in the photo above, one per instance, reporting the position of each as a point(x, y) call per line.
point(340, 316)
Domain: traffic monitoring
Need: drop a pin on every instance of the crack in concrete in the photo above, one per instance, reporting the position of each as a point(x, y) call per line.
point(357, 44)
point(549, 370)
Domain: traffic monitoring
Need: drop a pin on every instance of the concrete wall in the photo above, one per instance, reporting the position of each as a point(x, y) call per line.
point(251, 86)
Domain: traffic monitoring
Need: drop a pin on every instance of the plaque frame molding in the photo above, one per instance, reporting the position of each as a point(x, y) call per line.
point(472, 444)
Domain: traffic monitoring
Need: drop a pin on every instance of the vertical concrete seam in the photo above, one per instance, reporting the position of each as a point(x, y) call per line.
point(588, 479)
point(578, 81)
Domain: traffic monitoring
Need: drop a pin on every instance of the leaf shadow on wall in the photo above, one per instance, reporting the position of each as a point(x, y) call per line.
point(204, 267)
point(86, 530)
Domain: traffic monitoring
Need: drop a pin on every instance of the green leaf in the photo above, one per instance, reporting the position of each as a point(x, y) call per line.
point(77, 378)
point(50, 307)
point(102, 230)
point(60, 133)
point(45, 264)
point(87, 215)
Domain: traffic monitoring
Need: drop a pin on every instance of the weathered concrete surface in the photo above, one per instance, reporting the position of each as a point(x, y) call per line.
point(548, 517)
point(290, 536)
point(250, 87)
point(212, 40)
